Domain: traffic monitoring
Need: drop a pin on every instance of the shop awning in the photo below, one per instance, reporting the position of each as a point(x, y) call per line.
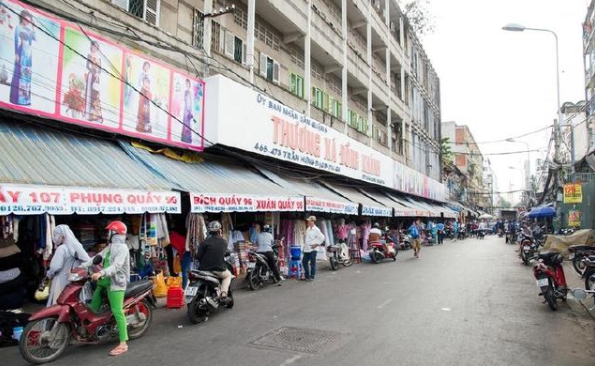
point(433, 211)
point(399, 210)
point(370, 207)
point(410, 208)
point(318, 197)
point(217, 185)
point(47, 171)
point(542, 211)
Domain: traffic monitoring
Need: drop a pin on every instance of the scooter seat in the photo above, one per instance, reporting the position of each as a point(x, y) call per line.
point(137, 287)
point(548, 257)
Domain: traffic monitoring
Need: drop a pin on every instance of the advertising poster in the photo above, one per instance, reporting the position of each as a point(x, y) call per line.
point(573, 193)
point(146, 97)
point(89, 92)
point(60, 71)
point(574, 218)
point(187, 108)
point(29, 53)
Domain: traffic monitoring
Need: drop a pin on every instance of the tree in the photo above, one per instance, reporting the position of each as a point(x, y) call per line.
point(502, 203)
point(446, 151)
point(420, 17)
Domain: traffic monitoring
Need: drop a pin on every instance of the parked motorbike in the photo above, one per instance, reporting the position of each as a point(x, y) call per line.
point(550, 277)
point(71, 320)
point(566, 231)
point(577, 253)
point(481, 234)
point(529, 248)
point(379, 251)
point(339, 254)
point(203, 294)
point(462, 233)
point(589, 272)
point(259, 271)
point(405, 240)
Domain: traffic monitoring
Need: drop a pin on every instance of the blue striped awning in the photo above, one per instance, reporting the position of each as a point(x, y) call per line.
point(35, 155)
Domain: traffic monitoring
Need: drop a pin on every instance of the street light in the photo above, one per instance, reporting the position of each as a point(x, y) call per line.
point(513, 27)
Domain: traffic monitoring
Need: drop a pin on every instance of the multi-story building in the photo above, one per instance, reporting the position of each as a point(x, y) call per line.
point(354, 65)
point(489, 184)
point(587, 128)
point(469, 160)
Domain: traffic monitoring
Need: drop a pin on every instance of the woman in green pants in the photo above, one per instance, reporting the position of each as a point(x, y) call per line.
point(113, 279)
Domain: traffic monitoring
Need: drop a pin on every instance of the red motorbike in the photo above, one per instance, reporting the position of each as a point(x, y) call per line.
point(52, 329)
point(384, 249)
point(550, 277)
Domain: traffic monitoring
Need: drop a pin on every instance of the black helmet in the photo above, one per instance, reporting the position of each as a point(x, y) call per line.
point(376, 225)
point(266, 228)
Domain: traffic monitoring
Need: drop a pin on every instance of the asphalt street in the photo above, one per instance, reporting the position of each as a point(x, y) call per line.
point(462, 303)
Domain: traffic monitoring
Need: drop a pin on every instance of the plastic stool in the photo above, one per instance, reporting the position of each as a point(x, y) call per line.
point(175, 298)
point(294, 269)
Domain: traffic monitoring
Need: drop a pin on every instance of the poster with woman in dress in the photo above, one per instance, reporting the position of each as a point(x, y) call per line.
point(187, 108)
point(146, 97)
point(29, 48)
point(91, 89)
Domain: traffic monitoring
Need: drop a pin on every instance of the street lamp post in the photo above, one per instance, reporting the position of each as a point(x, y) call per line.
point(511, 27)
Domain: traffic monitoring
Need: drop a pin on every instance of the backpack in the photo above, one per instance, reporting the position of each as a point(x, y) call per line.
point(413, 232)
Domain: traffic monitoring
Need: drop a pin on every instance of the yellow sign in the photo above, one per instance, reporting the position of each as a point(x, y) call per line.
point(574, 218)
point(573, 193)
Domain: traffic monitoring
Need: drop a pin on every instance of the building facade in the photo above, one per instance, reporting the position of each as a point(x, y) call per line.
point(353, 65)
point(470, 161)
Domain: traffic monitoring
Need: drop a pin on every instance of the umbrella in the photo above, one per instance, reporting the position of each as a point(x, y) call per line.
point(543, 211)
point(486, 216)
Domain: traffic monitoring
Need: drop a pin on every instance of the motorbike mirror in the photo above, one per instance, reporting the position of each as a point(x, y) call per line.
point(579, 294)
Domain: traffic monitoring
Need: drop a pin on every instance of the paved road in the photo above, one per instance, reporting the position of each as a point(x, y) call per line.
point(462, 303)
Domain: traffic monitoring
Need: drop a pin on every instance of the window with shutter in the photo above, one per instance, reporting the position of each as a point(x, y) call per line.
point(245, 55)
point(325, 102)
point(293, 83)
point(263, 65)
point(152, 11)
point(238, 49)
point(229, 44)
point(300, 87)
point(198, 29)
point(276, 72)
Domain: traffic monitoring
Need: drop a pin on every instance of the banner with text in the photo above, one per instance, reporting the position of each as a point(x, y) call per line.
point(377, 211)
point(57, 70)
point(35, 200)
point(321, 205)
point(573, 193)
point(244, 203)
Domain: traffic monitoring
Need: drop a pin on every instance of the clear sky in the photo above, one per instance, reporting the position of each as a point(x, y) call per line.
point(502, 84)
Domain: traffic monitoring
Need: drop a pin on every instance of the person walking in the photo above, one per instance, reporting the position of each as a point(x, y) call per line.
point(415, 237)
point(440, 228)
point(314, 238)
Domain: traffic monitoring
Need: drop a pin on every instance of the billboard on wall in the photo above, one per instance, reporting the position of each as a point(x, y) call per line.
point(58, 70)
point(246, 119)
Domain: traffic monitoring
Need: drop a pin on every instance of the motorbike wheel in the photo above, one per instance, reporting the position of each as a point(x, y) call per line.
point(578, 265)
point(590, 281)
point(230, 304)
point(374, 257)
point(139, 330)
point(334, 263)
point(254, 280)
point(550, 297)
point(348, 262)
point(524, 258)
point(42, 343)
point(195, 314)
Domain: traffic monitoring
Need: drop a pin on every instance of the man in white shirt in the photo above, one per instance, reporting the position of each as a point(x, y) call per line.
point(314, 238)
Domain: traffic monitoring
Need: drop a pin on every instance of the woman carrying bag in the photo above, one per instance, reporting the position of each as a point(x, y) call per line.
point(70, 253)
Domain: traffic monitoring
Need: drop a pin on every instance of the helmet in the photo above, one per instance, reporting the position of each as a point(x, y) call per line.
point(377, 225)
point(214, 226)
point(118, 226)
point(266, 228)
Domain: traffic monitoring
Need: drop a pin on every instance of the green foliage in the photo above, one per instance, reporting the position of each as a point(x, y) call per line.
point(446, 151)
point(420, 17)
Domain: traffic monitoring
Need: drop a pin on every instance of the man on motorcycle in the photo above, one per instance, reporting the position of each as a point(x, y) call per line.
point(265, 241)
point(211, 257)
point(113, 279)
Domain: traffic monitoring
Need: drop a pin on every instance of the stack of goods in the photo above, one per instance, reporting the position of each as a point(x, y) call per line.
point(242, 248)
point(12, 290)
